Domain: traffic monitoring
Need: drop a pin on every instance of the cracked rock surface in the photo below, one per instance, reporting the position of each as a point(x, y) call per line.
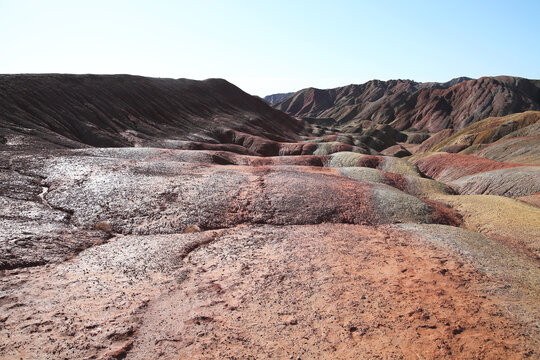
point(55, 210)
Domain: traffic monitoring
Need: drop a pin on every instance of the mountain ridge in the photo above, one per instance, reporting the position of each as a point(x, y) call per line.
point(407, 104)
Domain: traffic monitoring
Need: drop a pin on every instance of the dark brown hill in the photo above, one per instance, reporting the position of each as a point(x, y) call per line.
point(406, 104)
point(121, 110)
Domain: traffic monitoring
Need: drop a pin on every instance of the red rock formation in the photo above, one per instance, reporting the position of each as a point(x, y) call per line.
point(507, 134)
point(469, 175)
point(449, 167)
point(409, 105)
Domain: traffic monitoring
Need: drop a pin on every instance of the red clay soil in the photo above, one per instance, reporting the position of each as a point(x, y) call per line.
point(395, 180)
point(449, 167)
point(370, 161)
point(443, 214)
point(329, 291)
point(302, 304)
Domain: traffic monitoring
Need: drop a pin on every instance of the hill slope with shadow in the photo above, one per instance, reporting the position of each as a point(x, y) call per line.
point(55, 110)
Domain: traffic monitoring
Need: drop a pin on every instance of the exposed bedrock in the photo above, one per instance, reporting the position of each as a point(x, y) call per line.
point(95, 193)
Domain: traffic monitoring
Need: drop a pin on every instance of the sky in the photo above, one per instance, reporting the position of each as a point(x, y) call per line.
point(267, 47)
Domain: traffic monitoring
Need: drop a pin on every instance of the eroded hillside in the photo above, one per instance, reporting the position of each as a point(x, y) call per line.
point(409, 105)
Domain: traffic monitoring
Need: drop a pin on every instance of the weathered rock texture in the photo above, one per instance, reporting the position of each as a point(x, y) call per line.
point(513, 138)
point(317, 291)
point(475, 175)
point(160, 191)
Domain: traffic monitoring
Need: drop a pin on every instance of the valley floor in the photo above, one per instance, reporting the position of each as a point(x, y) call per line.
point(146, 253)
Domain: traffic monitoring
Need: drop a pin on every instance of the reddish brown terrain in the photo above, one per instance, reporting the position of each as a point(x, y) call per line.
point(157, 218)
point(408, 105)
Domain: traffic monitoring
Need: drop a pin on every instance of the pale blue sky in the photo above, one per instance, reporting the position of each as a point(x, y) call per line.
point(266, 47)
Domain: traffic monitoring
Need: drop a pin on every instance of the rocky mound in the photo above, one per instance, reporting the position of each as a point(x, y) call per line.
point(515, 223)
point(396, 151)
point(493, 129)
point(433, 140)
point(450, 167)
point(413, 185)
point(519, 150)
point(386, 163)
point(375, 138)
point(407, 104)
point(511, 182)
point(475, 175)
point(151, 191)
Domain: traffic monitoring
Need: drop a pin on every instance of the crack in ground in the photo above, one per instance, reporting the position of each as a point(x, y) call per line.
point(44, 191)
point(45, 188)
point(261, 185)
point(198, 243)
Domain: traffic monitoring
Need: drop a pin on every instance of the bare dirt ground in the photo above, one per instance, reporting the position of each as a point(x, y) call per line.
point(318, 291)
point(100, 262)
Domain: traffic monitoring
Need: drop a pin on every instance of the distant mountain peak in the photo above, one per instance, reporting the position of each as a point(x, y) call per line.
point(277, 98)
